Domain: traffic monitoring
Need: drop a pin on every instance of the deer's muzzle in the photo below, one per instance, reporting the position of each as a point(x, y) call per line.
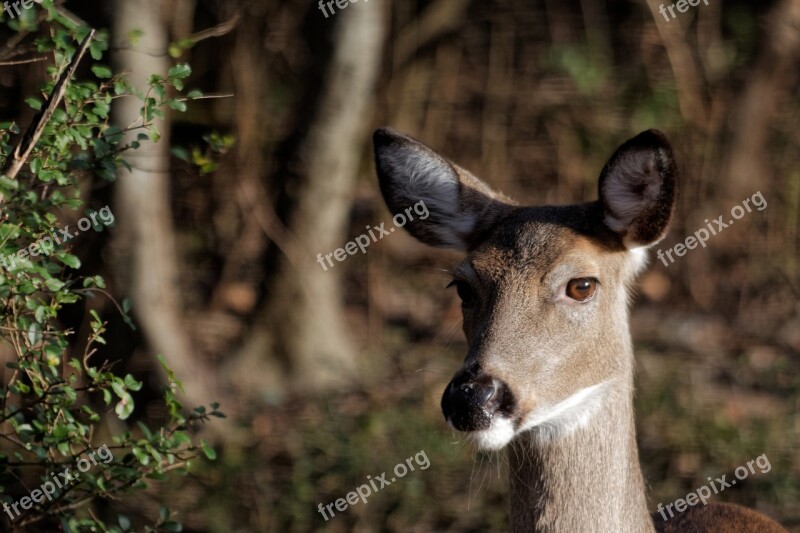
point(473, 398)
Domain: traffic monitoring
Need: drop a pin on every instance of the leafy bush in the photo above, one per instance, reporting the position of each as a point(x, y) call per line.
point(53, 404)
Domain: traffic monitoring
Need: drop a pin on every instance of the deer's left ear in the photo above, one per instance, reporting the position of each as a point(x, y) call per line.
point(637, 189)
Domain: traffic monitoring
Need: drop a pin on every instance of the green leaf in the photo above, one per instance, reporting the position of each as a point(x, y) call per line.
point(113, 134)
point(134, 36)
point(174, 50)
point(102, 71)
point(177, 105)
point(54, 284)
point(35, 103)
point(141, 455)
point(208, 451)
point(69, 260)
point(131, 383)
point(63, 448)
point(101, 109)
point(119, 387)
point(159, 90)
point(180, 153)
point(34, 333)
point(181, 437)
point(52, 350)
point(8, 183)
point(8, 232)
point(124, 407)
point(96, 51)
point(180, 71)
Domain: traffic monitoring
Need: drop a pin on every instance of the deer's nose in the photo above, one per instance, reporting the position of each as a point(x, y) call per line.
point(471, 400)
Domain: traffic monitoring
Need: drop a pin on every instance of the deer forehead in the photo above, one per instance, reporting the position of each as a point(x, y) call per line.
point(542, 252)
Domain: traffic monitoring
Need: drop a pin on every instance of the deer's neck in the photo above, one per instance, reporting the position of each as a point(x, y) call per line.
point(590, 476)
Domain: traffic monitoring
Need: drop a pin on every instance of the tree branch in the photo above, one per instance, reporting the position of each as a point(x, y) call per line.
point(14, 163)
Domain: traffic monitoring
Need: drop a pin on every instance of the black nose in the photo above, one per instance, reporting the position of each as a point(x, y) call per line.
point(472, 398)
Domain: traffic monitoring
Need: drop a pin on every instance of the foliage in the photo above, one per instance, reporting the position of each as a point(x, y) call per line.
point(55, 401)
point(206, 160)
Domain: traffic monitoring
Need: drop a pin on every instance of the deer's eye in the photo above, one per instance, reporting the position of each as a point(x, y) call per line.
point(581, 289)
point(464, 292)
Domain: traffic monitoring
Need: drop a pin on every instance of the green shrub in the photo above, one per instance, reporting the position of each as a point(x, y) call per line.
point(53, 405)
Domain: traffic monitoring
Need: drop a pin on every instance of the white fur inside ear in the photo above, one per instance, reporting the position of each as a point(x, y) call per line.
point(639, 258)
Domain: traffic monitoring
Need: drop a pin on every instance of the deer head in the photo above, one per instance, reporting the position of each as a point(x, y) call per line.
point(544, 290)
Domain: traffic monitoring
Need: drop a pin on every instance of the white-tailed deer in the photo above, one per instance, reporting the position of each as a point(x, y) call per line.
point(549, 369)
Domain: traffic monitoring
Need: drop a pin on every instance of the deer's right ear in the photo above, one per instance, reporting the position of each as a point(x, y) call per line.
point(458, 207)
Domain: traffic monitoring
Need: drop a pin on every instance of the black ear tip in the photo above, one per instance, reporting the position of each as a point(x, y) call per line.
point(652, 138)
point(654, 132)
point(385, 136)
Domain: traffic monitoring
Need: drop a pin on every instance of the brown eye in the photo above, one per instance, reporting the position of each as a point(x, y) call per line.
point(464, 292)
point(581, 289)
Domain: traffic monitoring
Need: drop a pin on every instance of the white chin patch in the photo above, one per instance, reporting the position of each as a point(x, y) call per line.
point(496, 437)
point(567, 415)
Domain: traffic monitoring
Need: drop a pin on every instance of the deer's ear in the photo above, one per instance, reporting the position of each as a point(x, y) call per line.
point(458, 208)
point(637, 189)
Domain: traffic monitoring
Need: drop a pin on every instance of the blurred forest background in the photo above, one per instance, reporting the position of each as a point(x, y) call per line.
point(330, 376)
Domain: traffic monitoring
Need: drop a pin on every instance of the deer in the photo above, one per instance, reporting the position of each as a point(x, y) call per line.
point(549, 370)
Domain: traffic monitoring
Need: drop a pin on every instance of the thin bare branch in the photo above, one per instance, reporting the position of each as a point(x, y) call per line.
point(28, 141)
point(217, 31)
point(22, 61)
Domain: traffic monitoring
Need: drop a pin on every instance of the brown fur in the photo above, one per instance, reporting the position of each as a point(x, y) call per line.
point(718, 518)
